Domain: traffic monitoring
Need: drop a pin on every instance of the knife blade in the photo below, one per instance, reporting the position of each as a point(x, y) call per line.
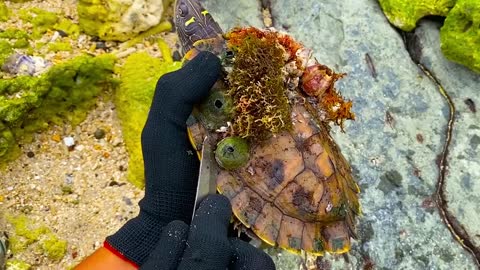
point(206, 176)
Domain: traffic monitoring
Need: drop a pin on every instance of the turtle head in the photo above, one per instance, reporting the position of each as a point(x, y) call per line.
point(194, 23)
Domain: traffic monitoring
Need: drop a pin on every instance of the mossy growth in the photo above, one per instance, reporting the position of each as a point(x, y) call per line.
point(133, 98)
point(4, 12)
point(59, 46)
point(404, 14)
point(64, 93)
point(11, 38)
point(42, 20)
point(256, 87)
point(5, 50)
point(45, 20)
point(460, 34)
point(27, 232)
point(17, 265)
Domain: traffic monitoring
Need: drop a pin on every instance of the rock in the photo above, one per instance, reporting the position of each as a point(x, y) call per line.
point(99, 134)
point(463, 159)
point(460, 35)
point(138, 76)
point(64, 93)
point(404, 14)
point(119, 20)
point(19, 64)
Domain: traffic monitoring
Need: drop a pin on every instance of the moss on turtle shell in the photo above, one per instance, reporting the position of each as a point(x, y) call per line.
point(256, 86)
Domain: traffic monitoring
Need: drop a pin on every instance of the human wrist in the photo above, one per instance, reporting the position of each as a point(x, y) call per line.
point(135, 240)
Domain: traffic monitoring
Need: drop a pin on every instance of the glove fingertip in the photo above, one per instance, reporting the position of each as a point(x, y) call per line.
point(169, 248)
point(247, 256)
point(216, 204)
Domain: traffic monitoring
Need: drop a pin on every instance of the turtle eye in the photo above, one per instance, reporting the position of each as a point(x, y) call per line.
point(232, 153)
point(183, 9)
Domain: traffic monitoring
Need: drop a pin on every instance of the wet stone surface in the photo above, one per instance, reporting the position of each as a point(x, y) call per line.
point(394, 102)
point(463, 191)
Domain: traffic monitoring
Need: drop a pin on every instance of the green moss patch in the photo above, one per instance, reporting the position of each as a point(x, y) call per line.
point(65, 93)
point(28, 232)
point(460, 34)
point(4, 12)
point(133, 98)
point(404, 14)
point(18, 265)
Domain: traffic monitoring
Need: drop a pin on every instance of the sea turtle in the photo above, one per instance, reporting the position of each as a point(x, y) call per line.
point(268, 122)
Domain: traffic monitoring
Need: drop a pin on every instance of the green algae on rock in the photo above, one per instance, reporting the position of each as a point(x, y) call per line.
point(460, 34)
point(133, 98)
point(59, 46)
point(118, 20)
point(17, 265)
point(65, 92)
point(404, 14)
point(4, 12)
point(27, 234)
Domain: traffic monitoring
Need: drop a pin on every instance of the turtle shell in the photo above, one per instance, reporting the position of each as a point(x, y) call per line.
point(295, 190)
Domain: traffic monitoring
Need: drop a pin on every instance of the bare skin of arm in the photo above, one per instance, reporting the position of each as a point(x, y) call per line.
point(104, 259)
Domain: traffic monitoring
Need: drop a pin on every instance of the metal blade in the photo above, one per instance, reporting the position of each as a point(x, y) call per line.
point(207, 174)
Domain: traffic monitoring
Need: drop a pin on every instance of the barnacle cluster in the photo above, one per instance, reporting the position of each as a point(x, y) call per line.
point(256, 85)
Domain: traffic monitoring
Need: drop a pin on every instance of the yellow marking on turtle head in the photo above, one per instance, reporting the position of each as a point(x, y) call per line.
point(205, 12)
point(190, 21)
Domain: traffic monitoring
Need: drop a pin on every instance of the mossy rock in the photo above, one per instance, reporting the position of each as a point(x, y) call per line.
point(119, 20)
point(64, 93)
point(17, 265)
point(460, 34)
point(4, 12)
point(404, 14)
point(133, 98)
point(27, 232)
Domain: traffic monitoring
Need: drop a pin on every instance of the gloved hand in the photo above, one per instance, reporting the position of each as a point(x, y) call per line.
point(204, 244)
point(171, 166)
point(171, 173)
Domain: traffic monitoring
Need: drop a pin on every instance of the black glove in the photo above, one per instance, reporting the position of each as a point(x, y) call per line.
point(171, 166)
point(204, 244)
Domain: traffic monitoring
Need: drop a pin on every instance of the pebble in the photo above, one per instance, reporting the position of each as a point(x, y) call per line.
point(62, 33)
point(176, 56)
point(99, 134)
point(69, 142)
point(100, 45)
